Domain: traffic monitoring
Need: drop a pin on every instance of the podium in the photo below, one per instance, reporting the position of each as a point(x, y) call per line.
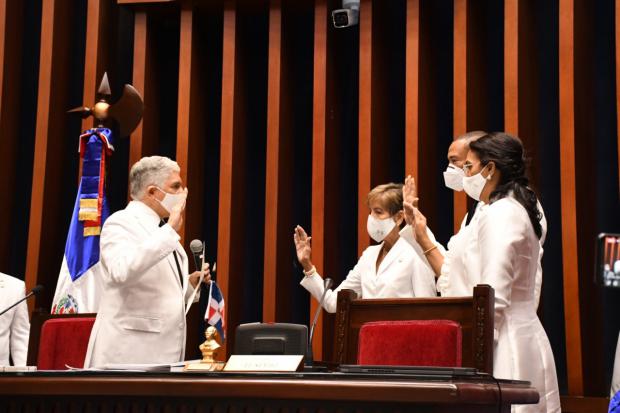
point(474, 314)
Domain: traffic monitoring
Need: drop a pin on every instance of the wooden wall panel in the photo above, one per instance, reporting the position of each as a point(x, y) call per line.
point(11, 53)
point(365, 155)
point(272, 180)
point(569, 198)
point(511, 67)
point(54, 162)
point(142, 140)
point(228, 206)
point(460, 93)
point(412, 93)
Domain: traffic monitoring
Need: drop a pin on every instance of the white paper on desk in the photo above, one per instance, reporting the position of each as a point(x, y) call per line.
point(135, 367)
point(199, 285)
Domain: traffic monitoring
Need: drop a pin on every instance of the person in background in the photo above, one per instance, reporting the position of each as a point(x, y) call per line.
point(147, 287)
point(389, 269)
point(14, 324)
point(502, 251)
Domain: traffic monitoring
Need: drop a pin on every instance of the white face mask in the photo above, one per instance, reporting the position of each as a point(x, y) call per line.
point(379, 228)
point(473, 185)
point(171, 200)
point(453, 177)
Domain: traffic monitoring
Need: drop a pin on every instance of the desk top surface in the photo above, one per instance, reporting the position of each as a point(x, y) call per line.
point(294, 386)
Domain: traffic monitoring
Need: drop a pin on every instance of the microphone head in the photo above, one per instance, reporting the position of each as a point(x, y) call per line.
point(37, 289)
point(196, 246)
point(327, 283)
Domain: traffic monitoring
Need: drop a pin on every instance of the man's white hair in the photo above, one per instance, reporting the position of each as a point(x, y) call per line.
point(150, 170)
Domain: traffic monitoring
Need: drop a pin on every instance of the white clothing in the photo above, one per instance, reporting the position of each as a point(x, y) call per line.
point(615, 379)
point(499, 247)
point(507, 252)
point(460, 280)
point(401, 275)
point(141, 317)
point(14, 324)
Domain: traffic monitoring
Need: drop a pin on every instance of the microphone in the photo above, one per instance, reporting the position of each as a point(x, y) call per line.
point(196, 247)
point(327, 284)
point(36, 290)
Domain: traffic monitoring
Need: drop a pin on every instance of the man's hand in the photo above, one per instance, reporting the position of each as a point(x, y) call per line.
point(195, 276)
point(303, 248)
point(176, 215)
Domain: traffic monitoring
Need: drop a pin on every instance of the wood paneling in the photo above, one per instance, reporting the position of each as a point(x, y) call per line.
point(11, 53)
point(225, 246)
point(272, 178)
point(53, 161)
point(511, 67)
point(365, 155)
point(460, 94)
point(411, 84)
point(568, 189)
point(319, 158)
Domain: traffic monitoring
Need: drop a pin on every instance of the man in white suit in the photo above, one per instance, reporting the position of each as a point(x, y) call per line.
point(14, 324)
point(147, 287)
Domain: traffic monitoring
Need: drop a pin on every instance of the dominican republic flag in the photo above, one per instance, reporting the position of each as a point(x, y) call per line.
point(80, 279)
point(215, 314)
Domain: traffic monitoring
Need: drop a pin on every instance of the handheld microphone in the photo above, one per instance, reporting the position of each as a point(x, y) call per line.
point(196, 247)
point(327, 284)
point(36, 290)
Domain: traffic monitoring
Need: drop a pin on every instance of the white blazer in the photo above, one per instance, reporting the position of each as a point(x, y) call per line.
point(401, 275)
point(141, 317)
point(14, 324)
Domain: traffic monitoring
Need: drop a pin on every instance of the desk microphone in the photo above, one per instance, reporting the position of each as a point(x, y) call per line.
point(327, 284)
point(34, 291)
point(196, 247)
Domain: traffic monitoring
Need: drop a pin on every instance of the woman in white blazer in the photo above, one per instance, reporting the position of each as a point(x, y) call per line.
point(14, 324)
point(502, 250)
point(390, 269)
point(147, 288)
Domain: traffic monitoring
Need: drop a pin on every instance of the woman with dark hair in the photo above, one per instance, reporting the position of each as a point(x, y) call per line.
point(501, 250)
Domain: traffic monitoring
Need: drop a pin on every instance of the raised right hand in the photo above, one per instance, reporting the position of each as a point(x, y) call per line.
point(176, 215)
point(303, 248)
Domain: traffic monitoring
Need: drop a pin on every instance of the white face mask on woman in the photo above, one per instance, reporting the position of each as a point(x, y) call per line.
point(453, 177)
point(473, 185)
point(379, 228)
point(171, 200)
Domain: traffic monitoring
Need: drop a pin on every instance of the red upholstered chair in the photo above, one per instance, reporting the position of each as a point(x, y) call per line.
point(411, 343)
point(64, 342)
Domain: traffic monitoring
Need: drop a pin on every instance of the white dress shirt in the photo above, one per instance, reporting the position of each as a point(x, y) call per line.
point(14, 324)
point(401, 274)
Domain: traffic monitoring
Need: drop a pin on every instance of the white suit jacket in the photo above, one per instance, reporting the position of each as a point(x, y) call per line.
point(401, 275)
point(141, 317)
point(14, 324)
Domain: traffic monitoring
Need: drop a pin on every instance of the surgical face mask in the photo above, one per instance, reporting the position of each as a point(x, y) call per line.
point(379, 228)
point(453, 177)
point(171, 200)
point(473, 185)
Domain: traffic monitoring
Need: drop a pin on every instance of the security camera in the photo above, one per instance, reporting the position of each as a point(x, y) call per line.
point(348, 15)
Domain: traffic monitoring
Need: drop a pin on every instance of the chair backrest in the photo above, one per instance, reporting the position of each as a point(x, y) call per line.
point(473, 314)
point(411, 343)
point(56, 340)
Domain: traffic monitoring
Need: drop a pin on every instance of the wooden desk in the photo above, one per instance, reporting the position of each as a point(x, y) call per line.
point(303, 393)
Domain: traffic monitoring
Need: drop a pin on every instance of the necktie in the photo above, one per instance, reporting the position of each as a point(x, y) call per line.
point(176, 258)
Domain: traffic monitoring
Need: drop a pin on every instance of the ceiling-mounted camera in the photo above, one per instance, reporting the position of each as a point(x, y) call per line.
point(348, 15)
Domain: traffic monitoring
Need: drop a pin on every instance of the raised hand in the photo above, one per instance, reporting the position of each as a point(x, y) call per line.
point(176, 215)
point(303, 248)
point(410, 191)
